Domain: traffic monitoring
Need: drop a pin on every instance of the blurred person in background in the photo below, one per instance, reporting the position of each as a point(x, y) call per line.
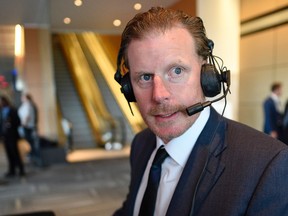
point(9, 132)
point(28, 114)
point(272, 112)
point(68, 128)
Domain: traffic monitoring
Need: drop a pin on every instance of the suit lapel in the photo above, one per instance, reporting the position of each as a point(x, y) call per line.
point(142, 151)
point(202, 169)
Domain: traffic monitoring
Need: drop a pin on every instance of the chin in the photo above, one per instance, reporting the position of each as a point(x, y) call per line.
point(169, 133)
point(170, 129)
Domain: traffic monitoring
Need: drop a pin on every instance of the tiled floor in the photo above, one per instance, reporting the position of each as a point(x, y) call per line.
point(94, 187)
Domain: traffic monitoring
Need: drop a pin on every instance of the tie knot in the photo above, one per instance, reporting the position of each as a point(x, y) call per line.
point(160, 157)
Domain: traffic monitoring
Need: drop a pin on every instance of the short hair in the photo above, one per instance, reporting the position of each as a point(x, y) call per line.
point(4, 101)
point(159, 19)
point(276, 86)
point(28, 96)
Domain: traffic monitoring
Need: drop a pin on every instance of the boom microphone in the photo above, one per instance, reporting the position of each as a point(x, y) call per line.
point(198, 107)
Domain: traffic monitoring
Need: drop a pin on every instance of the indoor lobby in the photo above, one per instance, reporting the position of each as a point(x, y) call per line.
point(92, 178)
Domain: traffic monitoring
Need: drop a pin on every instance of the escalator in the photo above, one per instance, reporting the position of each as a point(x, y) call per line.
point(123, 132)
point(69, 101)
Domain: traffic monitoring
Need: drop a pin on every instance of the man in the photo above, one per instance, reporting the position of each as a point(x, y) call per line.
point(215, 166)
point(29, 116)
point(272, 112)
point(9, 132)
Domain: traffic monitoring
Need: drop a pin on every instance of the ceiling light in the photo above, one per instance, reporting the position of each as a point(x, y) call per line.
point(78, 2)
point(117, 22)
point(137, 6)
point(67, 20)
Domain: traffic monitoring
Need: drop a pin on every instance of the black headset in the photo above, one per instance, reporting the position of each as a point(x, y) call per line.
point(211, 78)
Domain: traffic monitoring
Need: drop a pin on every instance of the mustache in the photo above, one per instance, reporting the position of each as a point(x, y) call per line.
point(166, 109)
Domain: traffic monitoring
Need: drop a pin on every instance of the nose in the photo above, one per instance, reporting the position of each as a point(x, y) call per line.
point(160, 90)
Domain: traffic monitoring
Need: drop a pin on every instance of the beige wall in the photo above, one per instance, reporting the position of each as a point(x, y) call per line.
point(39, 80)
point(263, 60)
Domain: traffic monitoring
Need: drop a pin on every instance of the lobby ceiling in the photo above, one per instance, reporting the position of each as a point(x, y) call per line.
point(93, 15)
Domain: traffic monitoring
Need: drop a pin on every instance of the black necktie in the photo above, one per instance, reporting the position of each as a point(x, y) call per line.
point(150, 195)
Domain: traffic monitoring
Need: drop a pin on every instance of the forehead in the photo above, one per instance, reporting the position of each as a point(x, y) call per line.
point(173, 38)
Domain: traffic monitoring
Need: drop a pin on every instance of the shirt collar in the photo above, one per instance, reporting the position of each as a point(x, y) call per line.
point(274, 97)
point(180, 147)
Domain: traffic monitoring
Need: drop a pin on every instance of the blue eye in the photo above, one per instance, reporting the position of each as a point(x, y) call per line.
point(178, 70)
point(146, 77)
point(177, 74)
point(145, 80)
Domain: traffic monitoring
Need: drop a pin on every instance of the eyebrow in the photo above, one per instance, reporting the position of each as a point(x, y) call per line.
point(138, 73)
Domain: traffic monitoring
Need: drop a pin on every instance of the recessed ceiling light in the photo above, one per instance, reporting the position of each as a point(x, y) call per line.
point(137, 6)
point(67, 20)
point(78, 2)
point(117, 22)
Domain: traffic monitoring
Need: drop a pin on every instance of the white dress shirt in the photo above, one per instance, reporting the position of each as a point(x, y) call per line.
point(179, 150)
point(276, 101)
point(27, 114)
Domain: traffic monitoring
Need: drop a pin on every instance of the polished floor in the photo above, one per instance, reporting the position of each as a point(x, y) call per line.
point(91, 183)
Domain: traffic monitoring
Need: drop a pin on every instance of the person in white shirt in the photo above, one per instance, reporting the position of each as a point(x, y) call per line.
point(28, 116)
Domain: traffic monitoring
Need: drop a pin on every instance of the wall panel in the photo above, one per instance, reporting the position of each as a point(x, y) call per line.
point(255, 8)
point(257, 50)
point(282, 45)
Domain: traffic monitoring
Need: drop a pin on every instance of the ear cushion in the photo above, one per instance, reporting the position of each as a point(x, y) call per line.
point(210, 80)
point(126, 88)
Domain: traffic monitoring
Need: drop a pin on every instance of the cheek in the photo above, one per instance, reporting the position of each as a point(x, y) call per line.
point(143, 106)
point(143, 98)
point(189, 97)
point(191, 90)
point(140, 90)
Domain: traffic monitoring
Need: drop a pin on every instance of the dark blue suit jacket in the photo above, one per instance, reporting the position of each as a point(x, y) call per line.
point(272, 118)
point(232, 170)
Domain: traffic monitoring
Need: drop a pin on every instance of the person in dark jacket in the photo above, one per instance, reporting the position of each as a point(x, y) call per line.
point(205, 163)
point(272, 112)
point(9, 131)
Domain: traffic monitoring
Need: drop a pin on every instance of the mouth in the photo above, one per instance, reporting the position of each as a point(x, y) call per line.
point(165, 117)
point(165, 113)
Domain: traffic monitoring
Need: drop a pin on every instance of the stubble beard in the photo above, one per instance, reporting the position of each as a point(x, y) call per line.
point(168, 130)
